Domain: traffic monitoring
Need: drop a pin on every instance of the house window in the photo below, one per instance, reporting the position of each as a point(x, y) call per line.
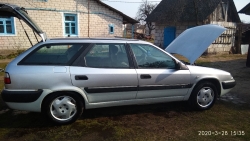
point(7, 26)
point(70, 24)
point(111, 29)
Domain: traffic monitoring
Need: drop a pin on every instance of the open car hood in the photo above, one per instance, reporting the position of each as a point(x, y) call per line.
point(9, 10)
point(194, 41)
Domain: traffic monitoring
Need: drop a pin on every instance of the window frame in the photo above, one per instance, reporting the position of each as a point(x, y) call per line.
point(13, 26)
point(76, 24)
point(111, 26)
point(80, 63)
point(69, 63)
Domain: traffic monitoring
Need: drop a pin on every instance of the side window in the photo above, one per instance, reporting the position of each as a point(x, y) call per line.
point(148, 56)
point(7, 26)
point(53, 54)
point(107, 56)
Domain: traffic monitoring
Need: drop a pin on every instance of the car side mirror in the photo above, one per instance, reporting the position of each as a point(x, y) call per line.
point(180, 66)
point(177, 65)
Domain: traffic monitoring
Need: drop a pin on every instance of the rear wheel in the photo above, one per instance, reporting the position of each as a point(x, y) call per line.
point(203, 96)
point(63, 108)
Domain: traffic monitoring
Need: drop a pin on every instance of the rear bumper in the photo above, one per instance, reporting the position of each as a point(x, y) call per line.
point(228, 84)
point(21, 96)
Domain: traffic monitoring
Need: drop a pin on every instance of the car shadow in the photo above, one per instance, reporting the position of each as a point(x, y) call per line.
point(161, 109)
point(22, 119)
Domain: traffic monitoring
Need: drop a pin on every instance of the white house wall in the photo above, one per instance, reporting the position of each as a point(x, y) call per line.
point(48, 15)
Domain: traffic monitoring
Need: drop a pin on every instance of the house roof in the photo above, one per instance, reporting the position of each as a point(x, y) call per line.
point(126, 19)
point(246, 9)
point(184, 11)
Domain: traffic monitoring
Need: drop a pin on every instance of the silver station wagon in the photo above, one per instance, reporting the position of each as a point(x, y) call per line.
point(62, 77)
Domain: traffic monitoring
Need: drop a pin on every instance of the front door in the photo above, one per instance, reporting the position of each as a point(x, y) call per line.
point(157, 74)
point(169, 35)
point(106, 74)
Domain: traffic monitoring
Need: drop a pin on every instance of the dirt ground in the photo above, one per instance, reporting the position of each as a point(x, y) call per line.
point(165, 121)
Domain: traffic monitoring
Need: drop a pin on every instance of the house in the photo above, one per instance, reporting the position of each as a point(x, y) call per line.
point(245, 28)
point(246, 9)
point(62, 18)
point(172, 17)
point(133, 28)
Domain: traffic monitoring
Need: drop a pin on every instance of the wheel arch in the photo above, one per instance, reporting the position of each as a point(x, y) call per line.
point(215, 81)
point(83, 99)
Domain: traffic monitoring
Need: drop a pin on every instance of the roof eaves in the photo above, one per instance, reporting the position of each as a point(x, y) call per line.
point(126, 19)
point(244, 9)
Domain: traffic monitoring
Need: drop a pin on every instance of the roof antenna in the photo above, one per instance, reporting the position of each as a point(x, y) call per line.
point(26, 33)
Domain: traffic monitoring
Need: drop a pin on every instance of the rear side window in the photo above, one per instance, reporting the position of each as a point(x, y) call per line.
point(53, 54)
point(107, 56)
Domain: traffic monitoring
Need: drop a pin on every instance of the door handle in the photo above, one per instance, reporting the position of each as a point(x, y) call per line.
point(145, 76)
point(81, 77)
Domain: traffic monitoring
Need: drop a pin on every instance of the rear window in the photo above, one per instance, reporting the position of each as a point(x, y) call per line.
point(53, 54)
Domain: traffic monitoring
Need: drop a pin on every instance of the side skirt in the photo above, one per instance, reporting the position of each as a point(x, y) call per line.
point(134, 102)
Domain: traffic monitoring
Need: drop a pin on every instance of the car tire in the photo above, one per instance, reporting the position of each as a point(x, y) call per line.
point(203, 96)
point(63, 108)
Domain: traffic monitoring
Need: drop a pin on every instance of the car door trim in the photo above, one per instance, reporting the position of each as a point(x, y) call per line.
point(164, 87)
point(110, 89)
point(91, 90)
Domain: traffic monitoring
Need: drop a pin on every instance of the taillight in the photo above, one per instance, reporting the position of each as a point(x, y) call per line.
point(7, 78)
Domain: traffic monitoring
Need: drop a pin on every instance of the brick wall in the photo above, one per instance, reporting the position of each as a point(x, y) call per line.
point(49, 17)
point(159, 31)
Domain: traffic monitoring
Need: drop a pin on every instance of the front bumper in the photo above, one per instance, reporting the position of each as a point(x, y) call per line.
point(228, 84)
point(21, 96)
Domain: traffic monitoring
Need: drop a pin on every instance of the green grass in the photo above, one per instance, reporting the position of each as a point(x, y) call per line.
point(150, 122)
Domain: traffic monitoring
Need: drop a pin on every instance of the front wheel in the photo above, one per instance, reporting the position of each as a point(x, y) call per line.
point(63, 108)
point(203, 96)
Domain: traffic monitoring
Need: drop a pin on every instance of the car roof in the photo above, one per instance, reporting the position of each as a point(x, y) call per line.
point(94, 40)
point(69, 38)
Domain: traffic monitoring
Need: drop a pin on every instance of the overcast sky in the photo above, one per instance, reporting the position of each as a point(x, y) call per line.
point(130, 7)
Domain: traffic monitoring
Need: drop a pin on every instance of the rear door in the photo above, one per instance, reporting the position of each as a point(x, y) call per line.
point(105, 73)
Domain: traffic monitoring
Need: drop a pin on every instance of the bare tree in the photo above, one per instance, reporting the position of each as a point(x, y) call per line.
point(143, 12)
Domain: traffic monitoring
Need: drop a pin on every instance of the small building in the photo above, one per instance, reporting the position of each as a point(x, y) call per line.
point(172, 17)
point(62, 18)
point(245, 28)
point(246, 9)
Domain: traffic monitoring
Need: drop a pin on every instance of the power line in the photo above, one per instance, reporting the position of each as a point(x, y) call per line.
point(127, 1)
